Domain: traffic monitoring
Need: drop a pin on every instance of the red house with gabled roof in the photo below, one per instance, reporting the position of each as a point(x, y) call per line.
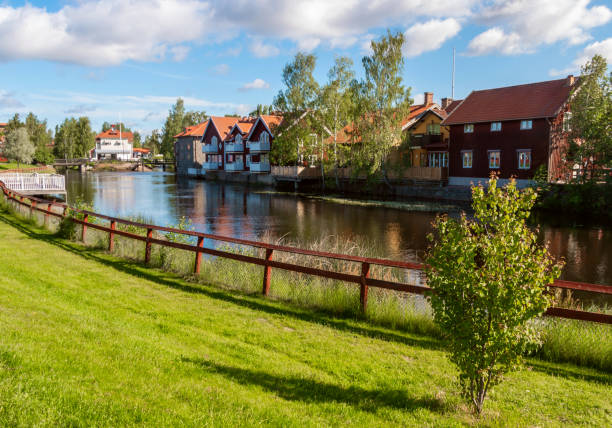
point(217, 129)
point(511, 131)
point(259, 142)
point(236, 154)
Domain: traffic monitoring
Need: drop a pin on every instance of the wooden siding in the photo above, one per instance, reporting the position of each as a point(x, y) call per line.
point(509, 140)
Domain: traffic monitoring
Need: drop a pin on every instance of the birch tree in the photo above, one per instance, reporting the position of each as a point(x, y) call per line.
point(336, 103)
point(293, 138)
point(383, 103)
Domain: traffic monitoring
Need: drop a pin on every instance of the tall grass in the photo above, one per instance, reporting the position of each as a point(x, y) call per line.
point(579, 342)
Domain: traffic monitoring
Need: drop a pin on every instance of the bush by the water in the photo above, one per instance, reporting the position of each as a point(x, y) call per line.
point(589, 201)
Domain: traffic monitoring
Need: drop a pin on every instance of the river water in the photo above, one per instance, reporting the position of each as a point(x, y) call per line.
point(235, 210)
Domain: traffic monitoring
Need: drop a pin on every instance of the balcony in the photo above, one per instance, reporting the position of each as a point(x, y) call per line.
point(259, 146)
point(211, 165)
point(234, 166)
point(234, 147)
point(210, 148)
point(260, 167)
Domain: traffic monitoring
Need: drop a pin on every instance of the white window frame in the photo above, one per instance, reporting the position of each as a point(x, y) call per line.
point(526, 125)
point(238, 139)
point(463, 158)
point(496, 126)
point(489, 152)
point(468, 128)
point(567, 126)
point(518, 154)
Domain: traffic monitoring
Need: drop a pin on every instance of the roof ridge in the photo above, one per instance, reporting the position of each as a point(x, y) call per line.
point(516, 86)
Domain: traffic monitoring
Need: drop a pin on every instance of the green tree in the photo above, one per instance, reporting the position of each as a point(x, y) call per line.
point(383, 102)
point(18, 146)
point(591, 120)
point(107, 125)
point(41, 138)
point(336, 103)
point(294, 139)
point(137, 140)
point(262, 109)
point(74, 138)
point(489, 279)
point(177, 120)
point(153, 142)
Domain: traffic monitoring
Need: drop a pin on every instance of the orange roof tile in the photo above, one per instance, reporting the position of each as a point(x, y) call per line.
point(224, 124)
point(114, 134)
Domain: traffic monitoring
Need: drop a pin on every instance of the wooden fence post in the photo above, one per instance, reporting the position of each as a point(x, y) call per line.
point(32, 206)
point(85, 219)
point(47, 214)
point(363, 291)
point(198, 256)
point(267, 269)
point(148, 246)
point(111, 236)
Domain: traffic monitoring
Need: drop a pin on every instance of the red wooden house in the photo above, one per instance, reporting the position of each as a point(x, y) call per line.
point(217, 129)
point(259, 142)
point(512, 131)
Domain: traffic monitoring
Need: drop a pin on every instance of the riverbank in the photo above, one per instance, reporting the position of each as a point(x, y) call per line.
point(82, 346)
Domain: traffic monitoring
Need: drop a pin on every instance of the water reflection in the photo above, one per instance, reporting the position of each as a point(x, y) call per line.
point(234, 210)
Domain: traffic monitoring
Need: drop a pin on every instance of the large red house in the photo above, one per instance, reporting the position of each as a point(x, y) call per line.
point(512, 131)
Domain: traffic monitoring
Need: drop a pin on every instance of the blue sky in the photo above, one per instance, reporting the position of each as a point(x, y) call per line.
point(130, 59)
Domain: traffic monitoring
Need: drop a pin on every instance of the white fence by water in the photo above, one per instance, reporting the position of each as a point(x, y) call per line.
point(33, 182)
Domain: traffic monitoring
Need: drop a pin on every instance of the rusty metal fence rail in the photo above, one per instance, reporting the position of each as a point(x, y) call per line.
point(267, 262)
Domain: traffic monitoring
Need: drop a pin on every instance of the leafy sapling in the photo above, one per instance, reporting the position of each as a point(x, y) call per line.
point(489, 279)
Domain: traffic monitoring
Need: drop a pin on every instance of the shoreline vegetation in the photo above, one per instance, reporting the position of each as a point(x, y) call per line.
point(582, 343)
point(82, 347)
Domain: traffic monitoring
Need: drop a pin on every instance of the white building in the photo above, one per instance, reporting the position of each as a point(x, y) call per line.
point(114, 144)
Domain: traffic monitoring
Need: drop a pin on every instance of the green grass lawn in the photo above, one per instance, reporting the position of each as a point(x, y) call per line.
point(90, 339)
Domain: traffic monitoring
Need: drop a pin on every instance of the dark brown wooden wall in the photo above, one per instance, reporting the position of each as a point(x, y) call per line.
point(510, 139)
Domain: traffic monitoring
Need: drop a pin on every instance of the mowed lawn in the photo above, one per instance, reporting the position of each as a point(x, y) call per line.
point(87, 339)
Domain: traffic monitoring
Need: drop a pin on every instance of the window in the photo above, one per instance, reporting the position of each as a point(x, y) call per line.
point(524, 159)
point(263, 137)
point(567, 125)
point(494, 158)
point(466, 156)
point(526, 124)
point(213, 140)
point(238, 138)
point(468, 127)
point(438, 159)
point(495, 126)
point(433, 129)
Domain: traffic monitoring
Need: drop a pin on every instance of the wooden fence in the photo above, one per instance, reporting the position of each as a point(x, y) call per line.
point(364, 280)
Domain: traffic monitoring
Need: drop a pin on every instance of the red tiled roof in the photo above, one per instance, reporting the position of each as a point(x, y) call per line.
point(530, 101)
point(113, 134)
point(272, 121)
point(193, 131)
point(224, 124)
point(141, 150)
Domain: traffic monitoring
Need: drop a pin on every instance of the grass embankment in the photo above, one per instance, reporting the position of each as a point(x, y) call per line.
point(4, 166)
point(90, 339)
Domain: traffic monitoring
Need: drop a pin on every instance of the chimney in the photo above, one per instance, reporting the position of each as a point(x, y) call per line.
point(446, 102)
point(428, 98)
point(570, 80)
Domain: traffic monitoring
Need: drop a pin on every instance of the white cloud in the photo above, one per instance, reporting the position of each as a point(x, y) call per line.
point(263, 50)
point(221, 69)
point(102, 33)
point(495, 40)
point(8, 100)
point(520, 26)
point(255, 84)
point(430, 35)
point(603, 48)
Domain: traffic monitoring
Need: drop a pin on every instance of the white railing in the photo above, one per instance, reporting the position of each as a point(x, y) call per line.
point(258, 146)
point(260, 167)
point(210, 165)
point(34, 182)
point(234, 166)
point(234, 147)
point(210, 148)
